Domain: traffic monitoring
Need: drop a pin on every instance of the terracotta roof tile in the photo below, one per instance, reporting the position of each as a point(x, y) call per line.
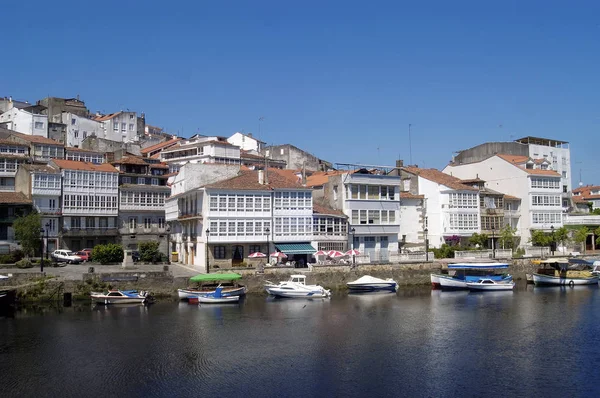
point(37, 139)
point(440, 178)
point(158, 166)
point(75, 165)
point(14, 198)
point(586, 191)
point(322, 209)
point(542, 172)
point(321, 177)
point(514, 159)
point(130, 160)
point(103, 118)
point(73, 149)
point(579, 199)
point(4, 141)
point(160, 145)
point(41, 168)
point(408, 195)
point(519, 160)
point(510, 197)
point(248, 180)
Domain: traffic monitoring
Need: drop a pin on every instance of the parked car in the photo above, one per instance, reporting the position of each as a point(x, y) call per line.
point(66, 257)
point(85, 256)
point(135, 256)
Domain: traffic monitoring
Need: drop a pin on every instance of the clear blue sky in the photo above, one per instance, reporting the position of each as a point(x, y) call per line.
point(340, 79)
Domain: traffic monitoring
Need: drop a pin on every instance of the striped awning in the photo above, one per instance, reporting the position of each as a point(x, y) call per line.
point(295, 248)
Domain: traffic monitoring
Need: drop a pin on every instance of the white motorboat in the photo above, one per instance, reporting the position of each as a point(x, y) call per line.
point(563, 271)
point(120, 297)
point(471, 272)
point(207, 283)
point(217, 297)
point(435, 280)
point(296, 287)
point(490, 285)
point(369, 283)
point(540, 279)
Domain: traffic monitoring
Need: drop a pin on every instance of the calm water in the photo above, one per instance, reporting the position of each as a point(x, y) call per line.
point(532, 342)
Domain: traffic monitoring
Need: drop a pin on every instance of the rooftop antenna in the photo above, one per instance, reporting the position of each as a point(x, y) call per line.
point(260, 120)
point(409, 144)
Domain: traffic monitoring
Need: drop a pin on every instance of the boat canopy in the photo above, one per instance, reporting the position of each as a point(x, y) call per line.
point(478, 266)
point(232, 276)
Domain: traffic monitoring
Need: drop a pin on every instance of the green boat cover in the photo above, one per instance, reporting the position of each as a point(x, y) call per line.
point(232, 276)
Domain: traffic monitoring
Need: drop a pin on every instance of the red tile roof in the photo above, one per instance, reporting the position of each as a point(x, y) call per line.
point(75, 165)
point(4, 141)
point(510, 197)
point(41, 168)
point(103, 118)
point(248, 180)
point(518, 160)
point(440, 178)
point(321, 177)
point(14, 198)
point(326, 210)
point(130, 160)
point(408, 195)
point(73, 149)
point(160, 145)
point(514, 159)
point(37, 139)
point(586, 191)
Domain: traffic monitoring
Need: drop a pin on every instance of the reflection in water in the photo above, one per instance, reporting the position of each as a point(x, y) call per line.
point(413, 343)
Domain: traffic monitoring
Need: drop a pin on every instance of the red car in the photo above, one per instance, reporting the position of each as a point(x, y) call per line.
point(85, 255)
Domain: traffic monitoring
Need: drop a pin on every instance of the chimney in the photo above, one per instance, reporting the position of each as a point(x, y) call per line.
point(399, 163)
point(261, 177)
point(250, 135)
point(304, 173)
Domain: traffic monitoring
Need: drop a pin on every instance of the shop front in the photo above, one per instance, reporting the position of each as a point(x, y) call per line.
point(298, 254)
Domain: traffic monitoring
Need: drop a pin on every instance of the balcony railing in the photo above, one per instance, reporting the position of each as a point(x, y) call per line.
point(142, 230)
point(49, 210)
point(188, 216)
point(100, 231)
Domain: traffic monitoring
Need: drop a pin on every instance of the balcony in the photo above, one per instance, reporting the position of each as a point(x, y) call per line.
point(154, 229)
point(590, 220)
point(493, 211)
point(190, 216)
point(100, 231)
point(48, 210)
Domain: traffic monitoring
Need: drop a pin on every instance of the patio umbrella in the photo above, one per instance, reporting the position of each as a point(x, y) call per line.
point(257, 255)
point(278, 254)
point(335, 254)
point(353, 252)
point(320, 253)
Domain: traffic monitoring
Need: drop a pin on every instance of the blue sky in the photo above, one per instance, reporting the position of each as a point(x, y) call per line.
point(340, 79)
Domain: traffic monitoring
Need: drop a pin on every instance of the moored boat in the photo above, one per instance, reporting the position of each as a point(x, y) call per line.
point(296, 287)
point(464, 273)
point(490, 285)
point(120, 297)
point(217, 298)
point(208, 283)
point(435, 280)
point(561, 272)
point(369, 283)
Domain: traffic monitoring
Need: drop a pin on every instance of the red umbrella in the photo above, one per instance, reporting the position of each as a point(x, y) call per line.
point(335, 254)
point(278, 254)
point(353, 252)
point(320, 253)
point(257, 255)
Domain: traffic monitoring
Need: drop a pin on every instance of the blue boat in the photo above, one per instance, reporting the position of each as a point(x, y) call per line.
point(472, 272)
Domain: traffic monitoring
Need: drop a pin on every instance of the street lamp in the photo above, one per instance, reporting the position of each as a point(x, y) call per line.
point(353, 231)
point(207, 265)
point(426, 244)
point(267, 232)
point(47, 232)
point(553, 243)
point(168, 230)
point(42, 251)
point(493, 246)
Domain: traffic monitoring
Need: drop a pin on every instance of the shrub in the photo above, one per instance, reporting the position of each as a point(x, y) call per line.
point(445, 251)
point(24, 263)
point(106, 254)
point(12, 257)
point(149, 252)
point(519, 253)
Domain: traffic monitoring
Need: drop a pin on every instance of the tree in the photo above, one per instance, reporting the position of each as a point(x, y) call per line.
point(597, 233)
point(540, 238)
point(480, 240)
point(149, 252)
point(561, 235)
point(580, 236)
point(507, 237)
point(28, 232)
point(106, 254)
point(596, 212)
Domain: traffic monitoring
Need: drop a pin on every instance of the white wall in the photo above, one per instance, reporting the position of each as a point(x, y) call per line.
point(25, 122)
point(245, 142)
point(538, 152)
point(79, 128)
point(410, 220)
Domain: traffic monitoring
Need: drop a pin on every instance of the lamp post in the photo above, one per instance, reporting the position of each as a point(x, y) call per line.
point(42, 251)
point(267, 232)
point(352, 232)
point(168, 230)
point(207, 265)
point(426, 244)
point(493, 246)
point(47, 232)
point(552, 243)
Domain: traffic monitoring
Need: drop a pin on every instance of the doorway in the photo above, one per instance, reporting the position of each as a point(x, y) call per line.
point(237, 256)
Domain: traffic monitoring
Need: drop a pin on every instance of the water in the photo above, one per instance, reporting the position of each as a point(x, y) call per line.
point(532, 342)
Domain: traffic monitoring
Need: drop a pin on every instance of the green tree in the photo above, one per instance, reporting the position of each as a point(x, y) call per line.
point(507, 237)
point(597, 233)
point(28, 232)
point(561, 236)
point(596, 212)
point(540, 238)
point(479, 239)
point(106, 254)
point(149, 252)
point(580, 236)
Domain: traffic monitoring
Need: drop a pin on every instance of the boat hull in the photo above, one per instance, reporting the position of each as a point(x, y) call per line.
point(118, 300)
point(187, 293)
point(548, 280)
point(373, 287)
point(496, 287)
point(435, 281)
point(448, 282)
point(218, 300)
point(275, 291)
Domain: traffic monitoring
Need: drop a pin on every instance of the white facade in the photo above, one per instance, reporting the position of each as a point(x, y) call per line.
point(11, 155)
point(46, 195)
point(372, 204)
point(246, 142)
point(84, 156)
point(200, 150)
point(79, 128)
point(560, 161)
point(540, 194)
point(120, 126)
point(412, 216)
point(25, 122)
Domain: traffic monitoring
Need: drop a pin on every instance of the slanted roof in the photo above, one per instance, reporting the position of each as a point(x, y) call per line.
point(131, 160)
point(519, 160)
point(160, 145)
point(103, 118)
point(36, 139)
point(249, 136)
point(248, 180)
point(14, 198)
point(408, 195)
point(510, 197)
point(437, 176)
point(514, 159)
point(75, 165)
point(326, 210)
point(40, 168)
point(322, 177)
point(4, 141)
point(539, 141)
point(73, 149)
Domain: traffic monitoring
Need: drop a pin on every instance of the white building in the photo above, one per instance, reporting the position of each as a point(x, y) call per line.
point(521, 177)
point(589, 194)
point(451, 207)
point(200, 149)
point(25, 122)
point(84, 155)
point(42, 184)
point(246, 142)
point(12, 154)
point(89, 203)
point(12, 205)
point(79, 128)
point(119, 126)
point(412, 217)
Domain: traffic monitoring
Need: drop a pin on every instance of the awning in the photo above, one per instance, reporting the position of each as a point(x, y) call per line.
point(295, 248)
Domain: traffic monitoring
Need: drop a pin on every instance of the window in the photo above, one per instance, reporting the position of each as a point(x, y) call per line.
point(73, 121)
point(39, 125)
point(75, 222)
point(123, 127)
point(126, 180)
point(219, 252)
point(90, 222)
point(130, 127)
point(373, 192)
point(115, 125)
point(161, 222)
point(354, 191)
point(565, 188)
point(214, 203)
point(155, 181)
point(76, 133)
point(132, 222)
point(84, 135)
point(254, 248)
point(131, 116)
point(141, 181)
point(147, 222)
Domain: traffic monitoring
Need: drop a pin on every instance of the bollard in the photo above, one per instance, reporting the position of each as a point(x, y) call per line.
point(166, 268)
point(91, 270)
